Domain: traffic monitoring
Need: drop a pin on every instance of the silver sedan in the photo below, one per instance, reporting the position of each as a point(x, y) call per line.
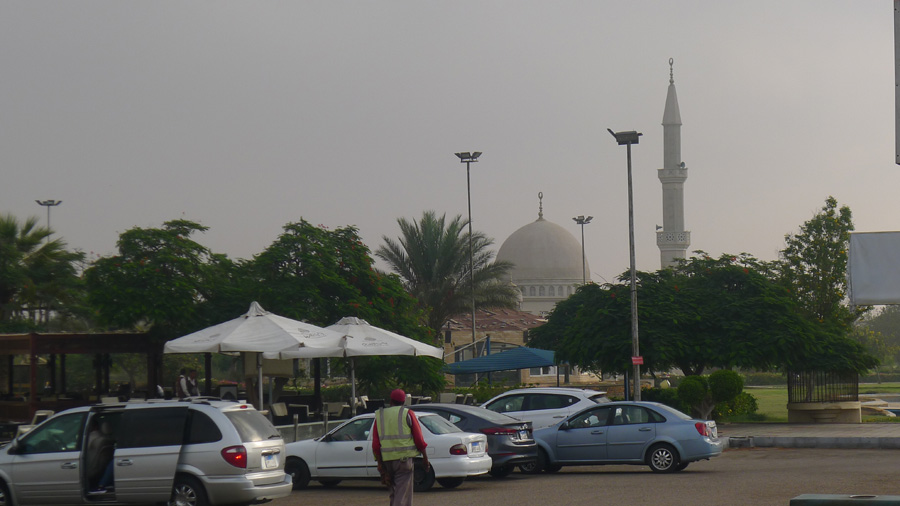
point(644, 433)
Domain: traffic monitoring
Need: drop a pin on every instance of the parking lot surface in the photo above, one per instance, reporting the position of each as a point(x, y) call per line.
point(752, 476)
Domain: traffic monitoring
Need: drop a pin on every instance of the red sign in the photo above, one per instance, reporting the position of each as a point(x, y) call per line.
point(637, 360)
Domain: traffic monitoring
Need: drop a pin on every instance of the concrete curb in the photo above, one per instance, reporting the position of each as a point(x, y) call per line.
point(869, 443)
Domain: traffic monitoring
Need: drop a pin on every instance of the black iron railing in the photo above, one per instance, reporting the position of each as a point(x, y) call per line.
point(820, 386)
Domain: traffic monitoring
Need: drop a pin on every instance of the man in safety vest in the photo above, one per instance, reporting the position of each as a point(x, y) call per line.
point(396, 441)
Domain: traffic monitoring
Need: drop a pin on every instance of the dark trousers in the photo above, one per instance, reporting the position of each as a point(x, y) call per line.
point(401, 488)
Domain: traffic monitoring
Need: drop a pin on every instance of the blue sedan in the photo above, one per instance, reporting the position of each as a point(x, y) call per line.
point(644, 433)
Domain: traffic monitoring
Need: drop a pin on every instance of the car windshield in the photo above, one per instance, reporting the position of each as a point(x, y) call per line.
point(437, 425)
point(252, 425)
point(600, 398)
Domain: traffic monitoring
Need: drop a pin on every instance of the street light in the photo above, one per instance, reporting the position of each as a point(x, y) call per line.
point(48, 204)
point(581, 220)
point(627, 139)
point(469, 158)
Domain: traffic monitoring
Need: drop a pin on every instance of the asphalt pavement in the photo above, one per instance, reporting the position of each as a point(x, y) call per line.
point(821, 435)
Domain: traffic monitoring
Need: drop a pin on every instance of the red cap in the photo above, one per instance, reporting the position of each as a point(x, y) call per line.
point(398, 395)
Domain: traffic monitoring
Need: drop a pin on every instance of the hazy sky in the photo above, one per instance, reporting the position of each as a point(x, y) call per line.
point(246, 116)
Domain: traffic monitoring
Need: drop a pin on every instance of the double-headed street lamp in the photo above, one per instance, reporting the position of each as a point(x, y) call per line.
point(48, 204)
point(469, 158)
point(627, 139)
point(581, 220)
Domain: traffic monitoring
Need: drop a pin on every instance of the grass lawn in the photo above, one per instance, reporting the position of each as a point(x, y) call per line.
point(772, 403)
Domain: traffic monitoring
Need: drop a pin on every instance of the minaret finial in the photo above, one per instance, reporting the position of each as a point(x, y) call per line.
point(540, 205)
point(671, 73)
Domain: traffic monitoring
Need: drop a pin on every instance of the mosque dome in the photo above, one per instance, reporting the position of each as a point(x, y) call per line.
point(543, 251)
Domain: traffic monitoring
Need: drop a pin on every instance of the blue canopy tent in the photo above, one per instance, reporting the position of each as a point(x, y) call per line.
point(517, 358)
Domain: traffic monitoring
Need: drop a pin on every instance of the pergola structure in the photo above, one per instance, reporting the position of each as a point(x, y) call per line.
point(56, 346)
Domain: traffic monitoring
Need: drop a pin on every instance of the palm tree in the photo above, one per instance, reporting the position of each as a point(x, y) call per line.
point(34, 273)
point(431, 256)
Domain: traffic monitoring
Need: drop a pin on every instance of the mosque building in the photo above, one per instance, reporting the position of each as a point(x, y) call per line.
point(549, 264)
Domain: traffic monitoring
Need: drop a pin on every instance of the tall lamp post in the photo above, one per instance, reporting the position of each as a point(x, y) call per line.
point(581, 220)
point(48, 204)
point(468, 159)
point(627, 139)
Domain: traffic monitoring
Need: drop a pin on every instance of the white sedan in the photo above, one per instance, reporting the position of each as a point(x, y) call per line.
point(346, 453)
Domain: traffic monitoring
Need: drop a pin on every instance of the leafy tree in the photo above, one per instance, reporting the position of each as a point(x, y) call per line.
point(707, 312)
point(431, 256)
point(813, 265)
point(703, 393)
point(879, 332)
point(158, 282)
point(36, 275)
point(320, 275)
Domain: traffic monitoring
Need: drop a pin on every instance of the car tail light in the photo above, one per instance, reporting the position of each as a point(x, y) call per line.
point(702, 428)
point(236, 456)
point(458, 449)
point(499, 431)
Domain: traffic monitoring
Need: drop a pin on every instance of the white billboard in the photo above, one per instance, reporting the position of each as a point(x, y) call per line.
point(873, 268)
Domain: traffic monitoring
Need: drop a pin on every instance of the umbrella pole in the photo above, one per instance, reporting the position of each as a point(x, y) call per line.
point(259, 379)
point(352, 388)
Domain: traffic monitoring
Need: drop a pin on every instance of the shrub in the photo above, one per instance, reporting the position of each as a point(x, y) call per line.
point(743, 404)
point(667, 396)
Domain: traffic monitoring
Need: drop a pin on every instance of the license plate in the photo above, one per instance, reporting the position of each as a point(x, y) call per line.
point(523, 434)
point(270, 462)
point(476, 447)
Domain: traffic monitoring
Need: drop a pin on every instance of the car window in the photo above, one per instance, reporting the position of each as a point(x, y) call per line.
point(356, 430)
point(252, 425)
point(507, 403)
point(549, 401)
point(140, 428)
point(201, 429)
point(625, 415)
point(437, 425)
point(596, 417)
point(60, 434)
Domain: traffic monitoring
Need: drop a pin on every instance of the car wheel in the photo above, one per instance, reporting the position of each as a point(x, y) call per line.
point(552, 468)
point(5, 498)
point(681, 466)
point(501, 471)
point(451, 482)
point(329, 483)
point(662, 458)
point(187, 491)
point(299, 472)
point(537, 466)
point(422, 480)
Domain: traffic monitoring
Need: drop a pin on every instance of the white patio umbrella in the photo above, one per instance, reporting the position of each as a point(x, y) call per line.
point(360, 339)
point(256, 331)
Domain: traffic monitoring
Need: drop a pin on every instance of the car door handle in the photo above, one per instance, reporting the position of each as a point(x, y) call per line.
point(124, 462)
point(560, 416)
point(69, 465)
point(596, 432)
point(359, 448)
point(645, 429)
point(272, 451)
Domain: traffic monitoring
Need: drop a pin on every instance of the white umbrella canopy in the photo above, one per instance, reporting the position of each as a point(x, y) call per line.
point(360, 339)
point(255, 331)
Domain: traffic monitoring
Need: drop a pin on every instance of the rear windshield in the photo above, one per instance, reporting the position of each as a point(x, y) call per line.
point(252, 425)
point(438, 425)
point(600, 398)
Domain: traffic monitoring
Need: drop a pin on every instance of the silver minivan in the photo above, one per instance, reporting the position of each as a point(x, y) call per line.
point(192, 452)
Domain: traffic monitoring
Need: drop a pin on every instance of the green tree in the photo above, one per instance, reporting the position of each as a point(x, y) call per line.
point(813, 265)
point(431, 256)
point(37, 276)
point(320, 275)
point(707, 312)
point(160, 280)
point(703, 393)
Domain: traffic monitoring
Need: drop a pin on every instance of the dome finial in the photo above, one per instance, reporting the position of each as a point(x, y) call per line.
point(540, 205)
point(671, 73)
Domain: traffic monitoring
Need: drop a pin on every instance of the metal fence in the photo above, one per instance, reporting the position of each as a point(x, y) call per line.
point(820, 386)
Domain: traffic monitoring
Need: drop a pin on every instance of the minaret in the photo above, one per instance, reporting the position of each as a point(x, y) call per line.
point(673, 240)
